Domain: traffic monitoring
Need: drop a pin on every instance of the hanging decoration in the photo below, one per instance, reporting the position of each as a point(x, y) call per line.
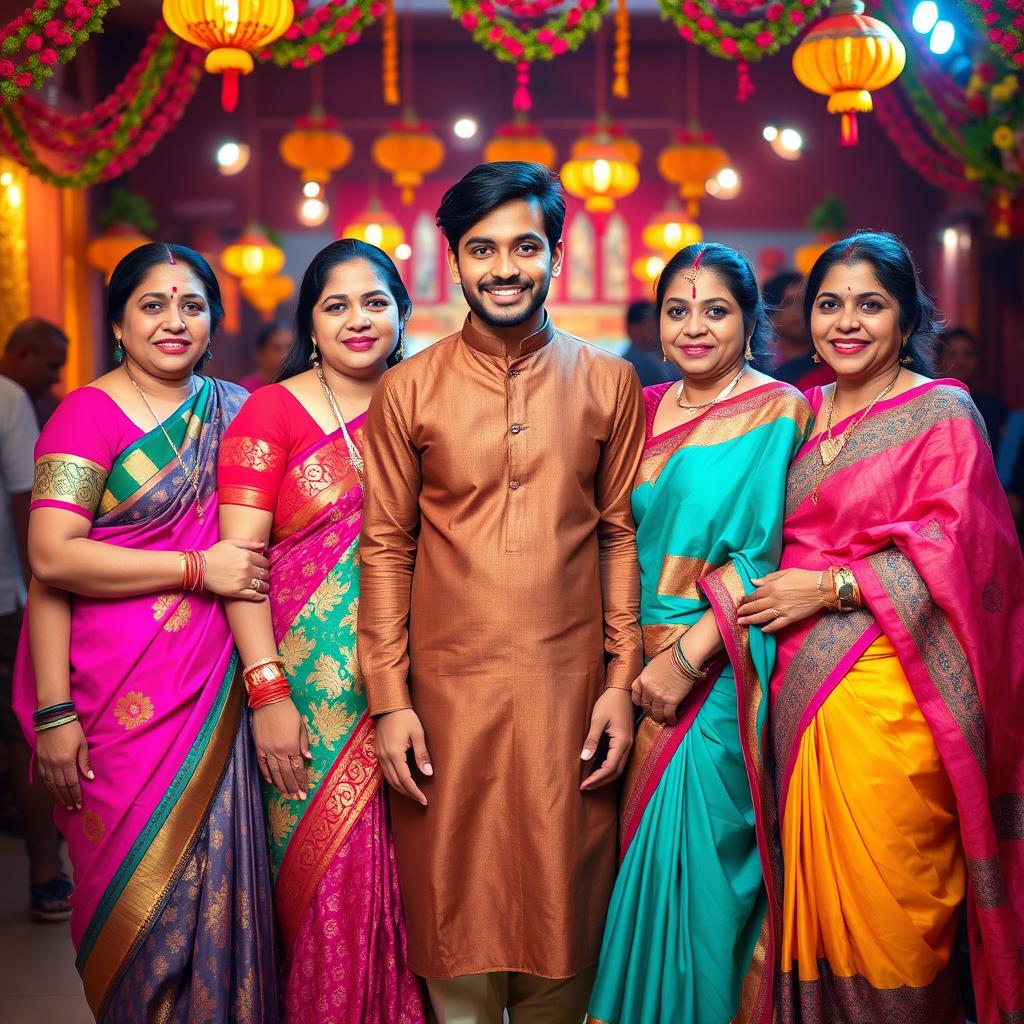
point(317, 32)
point(689, 162)
point(723, 29)
point(671, 230)
point(253, 257)
point(102, 143)
point(620, 84)
point(44, 35)
point(521, 140)
point(602, 168)
point(408, 151)
point(128, 223)
point(378, 227)
point(1002, 23)
point(845, 57)
point(648, 268)
point(316, 147)
point(829, 219)
point(389, 55)
point(230, 32)
point(265, 294)
point(512, 41)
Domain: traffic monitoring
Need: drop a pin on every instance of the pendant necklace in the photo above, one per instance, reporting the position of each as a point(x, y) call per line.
point(355, 456)
point(193, 475)
point(720, 397)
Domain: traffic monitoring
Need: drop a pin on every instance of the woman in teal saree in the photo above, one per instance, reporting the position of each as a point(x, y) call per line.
point(687, 936)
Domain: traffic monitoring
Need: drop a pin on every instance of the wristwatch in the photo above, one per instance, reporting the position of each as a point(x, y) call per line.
point(847, 595)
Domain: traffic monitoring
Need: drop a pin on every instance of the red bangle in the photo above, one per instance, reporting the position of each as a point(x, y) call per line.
point(193, 570)
point(269, 693)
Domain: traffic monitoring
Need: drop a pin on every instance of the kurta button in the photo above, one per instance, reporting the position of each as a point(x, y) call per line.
point(513, 373)
point(514, 485)
point(515, 428)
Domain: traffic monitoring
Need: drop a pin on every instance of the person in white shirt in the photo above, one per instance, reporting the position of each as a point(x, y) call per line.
point(31, 364)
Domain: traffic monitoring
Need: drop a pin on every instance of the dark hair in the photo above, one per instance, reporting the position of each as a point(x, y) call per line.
point(33, 334)
point(267, 331)
point(773, 291)
point(344, 250)
point(489, 186)
point(952, 333)
point(735, 270)
point(133, 268)
point(639, 312)
point(894, 267)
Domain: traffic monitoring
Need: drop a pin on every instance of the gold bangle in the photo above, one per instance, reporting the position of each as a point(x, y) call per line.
point(825, 603)
point(846, 590)
point(267, 670)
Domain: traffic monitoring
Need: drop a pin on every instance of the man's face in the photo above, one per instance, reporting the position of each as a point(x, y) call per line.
point(41, 368)
point(504, 264)
point(789, 317)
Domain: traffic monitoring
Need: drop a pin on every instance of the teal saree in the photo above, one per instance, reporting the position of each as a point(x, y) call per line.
point(687, 935)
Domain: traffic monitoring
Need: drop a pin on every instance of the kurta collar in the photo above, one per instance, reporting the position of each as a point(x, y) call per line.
point(487, 343)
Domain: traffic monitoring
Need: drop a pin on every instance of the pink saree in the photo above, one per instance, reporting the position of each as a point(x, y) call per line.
point(914, 507)
point(336, 892)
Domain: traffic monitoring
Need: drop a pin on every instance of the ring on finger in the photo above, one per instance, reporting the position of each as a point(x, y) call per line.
point(776, 614)
point(254, 583)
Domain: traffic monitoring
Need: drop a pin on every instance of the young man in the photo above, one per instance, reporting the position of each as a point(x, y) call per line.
point(497, 620)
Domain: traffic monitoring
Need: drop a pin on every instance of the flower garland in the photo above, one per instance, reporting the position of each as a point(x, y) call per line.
point(529, 8)
point(1002, 21)
point(108, 140)
point(318, 32)
point(512, 42)
point(389, 56)
point(47, 34)
point(698, 22)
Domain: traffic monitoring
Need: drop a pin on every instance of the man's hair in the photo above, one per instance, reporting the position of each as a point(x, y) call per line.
point(638, 312)
point(489, 186)
point(34, 334)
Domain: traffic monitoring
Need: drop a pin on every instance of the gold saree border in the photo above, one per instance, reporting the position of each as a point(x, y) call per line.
point(157, 872)
point(70, 479)
point(340, 800)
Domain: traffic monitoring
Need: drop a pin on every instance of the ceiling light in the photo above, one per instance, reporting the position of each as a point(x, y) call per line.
point(403, 251)
point(791, 139)
point(926, 13)
point(232, 157)
point(311, 189)
point(313, 212)
point(770, 133)
point(725, 184)
point(942, 38)
point(465, 127)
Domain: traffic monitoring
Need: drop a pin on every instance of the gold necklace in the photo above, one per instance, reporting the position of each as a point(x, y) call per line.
point(720, 397)
point(193, 476)
point(829, 447)
point(353, 452)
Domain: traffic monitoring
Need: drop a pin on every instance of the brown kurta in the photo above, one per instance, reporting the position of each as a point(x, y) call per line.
point(498, 597)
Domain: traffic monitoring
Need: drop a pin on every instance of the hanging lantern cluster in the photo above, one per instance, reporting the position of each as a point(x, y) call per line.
point(316, 147)
point(689, 162)
point(231, 32)
point(664, 235)
point(520, 140)
point(602, 168)
point(407, 152)
point(256, 261)
point(846, 57)
point(378, 227)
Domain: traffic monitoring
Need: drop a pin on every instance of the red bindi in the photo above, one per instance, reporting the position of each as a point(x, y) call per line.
point(174, 290)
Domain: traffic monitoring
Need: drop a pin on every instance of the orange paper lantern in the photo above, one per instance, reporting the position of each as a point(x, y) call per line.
point(231, 31)
point(670, 231)
point(407, 152)
point(520, 140)
point(378, 227)
point(107, 250)
point(267, 293)
point(602, 168)
point(846, 57)
point(689, 162)
point(316, 147)
point(252, 255)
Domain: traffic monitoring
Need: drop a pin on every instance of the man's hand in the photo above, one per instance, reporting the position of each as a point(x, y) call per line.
point(613, 714)
point(397, 733)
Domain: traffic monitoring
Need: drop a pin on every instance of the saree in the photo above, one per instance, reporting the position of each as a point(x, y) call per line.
point(336, 884)
point(687, 938)
point(172, 917)
point(896, 727)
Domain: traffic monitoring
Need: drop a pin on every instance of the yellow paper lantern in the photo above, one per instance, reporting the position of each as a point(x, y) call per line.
point(648, 268)
point(107, 250)
point(316, 147)
point(601, 170)
point(378, 227)
point(252, 255)
point(407, 152)
point(689, 162)
point(670, 231)
point(846, 57)
point(231, 30)
point(520, 140)
point(267, 293)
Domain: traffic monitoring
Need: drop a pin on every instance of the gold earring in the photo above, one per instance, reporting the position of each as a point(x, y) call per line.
point(664, 356)
point(401, 345)
point(314, 356)
point(907, 358)
point(815, 358)
point(748, 353)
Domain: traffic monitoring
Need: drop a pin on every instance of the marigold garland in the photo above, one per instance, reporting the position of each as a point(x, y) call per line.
point(698, 21)
point(389, 55)
point(318, 32)
point(103, 143)
point(46, 34)
point(620, 87)
point(512, 42)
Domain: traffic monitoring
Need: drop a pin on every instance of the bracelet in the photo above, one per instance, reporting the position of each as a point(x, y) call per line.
point(826, 603)
point(267, 670)
point(847, 591)
point(684, 662)
point(56, 723)
point(269, 693)
point(53, 711)
point(193, 570)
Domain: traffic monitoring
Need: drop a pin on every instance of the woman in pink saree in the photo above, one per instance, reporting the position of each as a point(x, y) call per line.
point(898, 687)
point(126, 677)
point(291, 474)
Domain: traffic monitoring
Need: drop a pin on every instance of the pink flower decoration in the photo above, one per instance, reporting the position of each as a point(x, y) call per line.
point(1009, 44)
point(51, 28)
point(691, 10)
point(774, 12)
point(587, 5)
point(797, 17)
point(23, 81)
point(352, 37)
point(62, 38)
point(309, 26)
point(573, 18)
point(34, 42)
point(764, 39)
point(469, 20)
point(545, 36)
point(298, 63)
point(705, 24)
point(559, 46)
point(686, 32)
point(6, 69)
point(487, 9)
point(513, 46)
point(495, 35)
point(315, 53)
point(48, 57)
point(378, 9)
point(729, 47)
point(292, 32)
point(992, 18)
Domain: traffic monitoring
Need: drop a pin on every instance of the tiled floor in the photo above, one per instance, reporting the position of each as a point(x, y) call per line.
point(38, 980)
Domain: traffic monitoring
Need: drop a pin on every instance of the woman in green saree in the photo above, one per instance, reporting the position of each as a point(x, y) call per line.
point(687, 935)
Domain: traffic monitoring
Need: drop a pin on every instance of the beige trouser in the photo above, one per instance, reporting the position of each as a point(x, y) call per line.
point(529, 999)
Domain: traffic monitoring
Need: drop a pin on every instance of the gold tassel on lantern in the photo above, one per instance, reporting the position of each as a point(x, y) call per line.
point(620, 86)
point(389, 55)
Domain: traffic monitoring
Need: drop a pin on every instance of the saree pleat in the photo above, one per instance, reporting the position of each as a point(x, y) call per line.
point(687, 937)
